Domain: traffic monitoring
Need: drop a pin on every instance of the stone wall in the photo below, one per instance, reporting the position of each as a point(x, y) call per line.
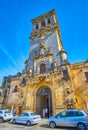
point(80, 83)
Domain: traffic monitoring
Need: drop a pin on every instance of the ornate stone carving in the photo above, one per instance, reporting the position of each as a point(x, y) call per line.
point(52, 12)
point(43, 31)
point(41, 78)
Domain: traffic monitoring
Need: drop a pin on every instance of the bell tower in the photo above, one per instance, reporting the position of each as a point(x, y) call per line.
point(46, 46)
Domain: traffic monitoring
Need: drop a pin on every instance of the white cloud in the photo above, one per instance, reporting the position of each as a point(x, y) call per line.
point(13, 69)
point(7, 54)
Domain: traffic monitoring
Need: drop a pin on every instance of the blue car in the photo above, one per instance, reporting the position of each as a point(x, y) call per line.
point(69, 118)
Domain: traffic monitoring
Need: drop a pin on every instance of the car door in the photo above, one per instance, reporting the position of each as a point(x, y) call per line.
point(61, 118)
point(20, 118)
point(74, 117)
point(71, 118)
point(26, 117)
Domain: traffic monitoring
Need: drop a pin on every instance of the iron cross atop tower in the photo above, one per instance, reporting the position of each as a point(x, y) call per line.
point(46, 49)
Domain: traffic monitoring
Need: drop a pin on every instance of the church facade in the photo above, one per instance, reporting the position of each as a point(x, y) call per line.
point(48, 80)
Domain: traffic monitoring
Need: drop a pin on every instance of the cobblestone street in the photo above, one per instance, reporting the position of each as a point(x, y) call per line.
point(41, 126)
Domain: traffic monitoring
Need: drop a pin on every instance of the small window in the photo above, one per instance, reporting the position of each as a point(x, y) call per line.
point(23, 81)
point(70, 106)
point(65, 74)
point(1, 112)
point(26, 114)
point(7, 112)
point(86, 75)
point(33, 114)
point(42, 68)
point(36, 26)
point(79, 113)
point(43, 23)
point(15, 89)
point(63, 114)
point(72, 113)
point(48, 21)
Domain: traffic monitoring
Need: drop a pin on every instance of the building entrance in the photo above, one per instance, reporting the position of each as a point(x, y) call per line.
point(20, 110)
point(43, 101)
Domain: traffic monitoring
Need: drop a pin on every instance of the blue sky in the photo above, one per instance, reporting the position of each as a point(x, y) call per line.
point(15, 28)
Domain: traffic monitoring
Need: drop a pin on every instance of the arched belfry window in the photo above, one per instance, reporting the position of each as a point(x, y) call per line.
point(49, 21)
point(42, 68)
point(36, 26)
point(43, 23)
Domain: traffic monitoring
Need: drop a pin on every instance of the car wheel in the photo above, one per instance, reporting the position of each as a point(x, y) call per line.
point(1, 119)
point(14, 121)
point(81, 126)
point(52, 124)
point(28, 123)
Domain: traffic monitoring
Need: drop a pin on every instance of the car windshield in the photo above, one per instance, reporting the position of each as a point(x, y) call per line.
point(7, 112)
point(33, 114)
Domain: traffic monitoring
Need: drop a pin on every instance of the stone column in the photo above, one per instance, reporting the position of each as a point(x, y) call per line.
point(39, 24)
point(34, 67)
point(46, 22)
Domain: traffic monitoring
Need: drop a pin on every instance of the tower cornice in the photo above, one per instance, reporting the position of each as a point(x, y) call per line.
point(52, 12)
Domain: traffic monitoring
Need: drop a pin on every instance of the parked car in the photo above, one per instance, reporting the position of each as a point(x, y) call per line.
point(5, 115)
point(27, 118)
point(70, 118)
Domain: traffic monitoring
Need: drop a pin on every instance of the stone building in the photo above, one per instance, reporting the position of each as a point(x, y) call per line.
point(1, 97)
point(48, 80)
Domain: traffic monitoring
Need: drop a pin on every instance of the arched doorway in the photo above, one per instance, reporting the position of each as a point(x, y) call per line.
point(43, 100)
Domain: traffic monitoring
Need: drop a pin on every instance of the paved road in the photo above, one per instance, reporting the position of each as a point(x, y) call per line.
point(41, 126)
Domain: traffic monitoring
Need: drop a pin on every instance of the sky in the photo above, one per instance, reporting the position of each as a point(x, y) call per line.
point(16, 26)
